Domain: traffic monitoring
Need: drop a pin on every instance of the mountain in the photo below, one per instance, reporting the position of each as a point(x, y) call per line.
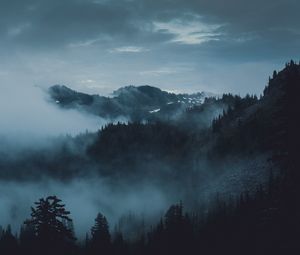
point(268, 124)
point(231, 160)
point(222, 144)
point(227, 128)
point(136, 103)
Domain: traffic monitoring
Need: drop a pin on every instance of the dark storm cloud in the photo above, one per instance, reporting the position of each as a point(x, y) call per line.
point(105, 40)
point(55, 23)
point(59, 22)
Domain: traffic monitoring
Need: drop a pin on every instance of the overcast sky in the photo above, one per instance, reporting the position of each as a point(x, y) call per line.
point(179, 45)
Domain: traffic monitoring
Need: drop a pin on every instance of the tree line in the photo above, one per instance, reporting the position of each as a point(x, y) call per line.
point(263, 222)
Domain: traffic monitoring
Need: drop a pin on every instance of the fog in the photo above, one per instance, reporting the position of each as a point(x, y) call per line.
point(147, 198)
point(27, 113)
point(85, 198)
point(30, 123)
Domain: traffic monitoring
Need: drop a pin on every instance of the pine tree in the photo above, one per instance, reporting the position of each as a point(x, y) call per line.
point(8, 242)
point(100, 236)
point(48, 220)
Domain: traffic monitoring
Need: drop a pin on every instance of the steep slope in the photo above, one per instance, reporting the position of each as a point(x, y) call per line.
point(247, 127)
point(264, 125)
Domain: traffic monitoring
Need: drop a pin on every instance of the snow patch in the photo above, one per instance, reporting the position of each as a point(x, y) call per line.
point(154, 111)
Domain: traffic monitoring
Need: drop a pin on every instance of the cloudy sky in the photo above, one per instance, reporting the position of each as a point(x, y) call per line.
point(179, 45)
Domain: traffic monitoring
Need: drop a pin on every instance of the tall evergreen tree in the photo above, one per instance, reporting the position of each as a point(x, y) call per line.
point(8, 242)
point(48, 222)
point(100, 236)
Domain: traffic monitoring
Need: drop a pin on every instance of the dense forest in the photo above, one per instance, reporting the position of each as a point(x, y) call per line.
point(204, 143)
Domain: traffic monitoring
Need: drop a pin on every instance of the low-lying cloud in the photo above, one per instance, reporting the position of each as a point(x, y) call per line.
point(84, 197)
point(26, 112)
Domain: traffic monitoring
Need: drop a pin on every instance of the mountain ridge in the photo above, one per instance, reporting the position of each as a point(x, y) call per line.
point(135, 102)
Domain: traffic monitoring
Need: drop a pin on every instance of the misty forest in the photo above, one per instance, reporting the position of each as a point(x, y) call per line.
point(169, 174)
point(149, 127)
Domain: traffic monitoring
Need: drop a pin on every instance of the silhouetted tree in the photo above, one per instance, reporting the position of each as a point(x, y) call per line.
point(8, 242)
point(27, 238)
point(100, 237)
point(48, 222)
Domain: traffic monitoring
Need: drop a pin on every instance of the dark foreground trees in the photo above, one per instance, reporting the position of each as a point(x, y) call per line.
point(49, 230)
point(100, 242)
point(259, 223)
point(8, 242)
point(264, 222)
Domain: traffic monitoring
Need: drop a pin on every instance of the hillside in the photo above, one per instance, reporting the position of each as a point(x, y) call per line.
point(232, 161)
point(135, 103)
point(218, 130)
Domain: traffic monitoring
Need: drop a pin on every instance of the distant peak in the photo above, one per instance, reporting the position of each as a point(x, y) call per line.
point(132, 89)
point(59, 87)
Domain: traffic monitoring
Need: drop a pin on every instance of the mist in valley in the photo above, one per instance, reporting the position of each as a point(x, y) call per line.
point(44, 151)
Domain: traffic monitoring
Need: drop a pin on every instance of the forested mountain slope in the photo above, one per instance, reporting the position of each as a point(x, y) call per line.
point(237, 174)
